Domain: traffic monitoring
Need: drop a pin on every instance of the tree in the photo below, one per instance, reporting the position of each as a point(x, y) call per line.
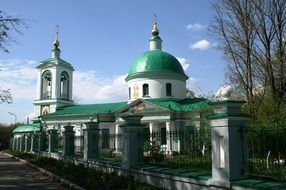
point(251, 34)
point(8, 24)
point(5, 96)
point(5, 135)
point(236, 34)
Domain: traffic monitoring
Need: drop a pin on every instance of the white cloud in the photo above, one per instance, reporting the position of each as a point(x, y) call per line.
point(184, 62)
point(90, 88)
point(201, 45)
point(196, 27)
point(20, 77)
point(191, 83)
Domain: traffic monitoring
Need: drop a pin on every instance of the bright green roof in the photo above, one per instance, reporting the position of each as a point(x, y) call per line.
point(188, 104)
point(86, 109)
point(156, 62)
point(35, 127)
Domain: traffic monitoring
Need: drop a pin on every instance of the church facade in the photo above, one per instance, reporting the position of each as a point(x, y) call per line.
point(156, 90)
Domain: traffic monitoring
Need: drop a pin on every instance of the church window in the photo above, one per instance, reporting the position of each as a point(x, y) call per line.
point(145, 90)
point(64, 86)
point(46, 85)
point(168, 89)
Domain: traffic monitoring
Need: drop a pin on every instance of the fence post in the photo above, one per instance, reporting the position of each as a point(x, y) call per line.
point(227, 125)
point(133, 140)
point(91, 140)
point(42, 141)
point(68, 149)
point(52, 140)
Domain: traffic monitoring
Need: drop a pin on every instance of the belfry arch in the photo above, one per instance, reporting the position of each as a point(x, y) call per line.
point(46, 85)
point(64, 85)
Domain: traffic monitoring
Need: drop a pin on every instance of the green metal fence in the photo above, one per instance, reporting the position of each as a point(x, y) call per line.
point(266, 152)
point(78, 145)
point(189, 148)
point(110, 146)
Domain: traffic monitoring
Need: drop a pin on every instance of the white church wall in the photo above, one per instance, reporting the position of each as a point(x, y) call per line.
point(157, 88)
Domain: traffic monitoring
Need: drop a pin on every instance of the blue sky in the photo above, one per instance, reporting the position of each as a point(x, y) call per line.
point(101, 39)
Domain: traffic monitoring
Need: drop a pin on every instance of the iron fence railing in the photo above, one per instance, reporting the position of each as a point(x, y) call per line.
point(59, 144)
point(46, 142)
point(266, 152)
point(78, 145)
point(110, 146)
point(189, 148)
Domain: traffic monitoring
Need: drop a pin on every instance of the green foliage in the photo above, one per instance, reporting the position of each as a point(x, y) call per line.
point(154, 150)
point(5, 135)
point(266, 151)
point(269, 113)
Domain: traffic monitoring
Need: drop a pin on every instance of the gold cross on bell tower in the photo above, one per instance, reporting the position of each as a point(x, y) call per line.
point(57, 42)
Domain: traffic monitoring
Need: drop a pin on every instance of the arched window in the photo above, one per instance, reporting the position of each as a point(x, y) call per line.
point(64, 86)
point(145, 90)
point(168, 89)
point(46, 86)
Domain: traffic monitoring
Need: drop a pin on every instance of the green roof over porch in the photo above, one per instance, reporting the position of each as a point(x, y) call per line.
point(86, 109)
point(28, 128)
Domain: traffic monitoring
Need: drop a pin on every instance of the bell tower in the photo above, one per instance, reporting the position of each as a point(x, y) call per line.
point(54, 82)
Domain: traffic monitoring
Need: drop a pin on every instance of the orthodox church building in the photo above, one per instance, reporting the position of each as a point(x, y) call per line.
point(156, 90)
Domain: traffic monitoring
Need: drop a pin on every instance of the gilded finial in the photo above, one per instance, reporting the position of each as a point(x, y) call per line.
point(57, 42)
point(155, 30)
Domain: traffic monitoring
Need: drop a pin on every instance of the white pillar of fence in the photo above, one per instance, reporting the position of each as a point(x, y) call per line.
point(91, 140)
point(52, 140)
point(32, 143)
point(68, 149)
point(168, 138)
point(133, 140)
point(117, 139)
point(26, 143)
point(228, 144)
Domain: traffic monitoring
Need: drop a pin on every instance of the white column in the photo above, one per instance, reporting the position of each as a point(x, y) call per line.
point(117, 139)
point(32, 143)
point(169, 128)
point(26, 143)
point(151, 126)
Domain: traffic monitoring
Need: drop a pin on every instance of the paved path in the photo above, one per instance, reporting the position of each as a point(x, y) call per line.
point(16, 175)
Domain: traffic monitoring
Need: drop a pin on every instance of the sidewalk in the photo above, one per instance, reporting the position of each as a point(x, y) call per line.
point(16, 175)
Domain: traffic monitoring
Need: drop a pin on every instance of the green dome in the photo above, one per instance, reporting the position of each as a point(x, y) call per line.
point(156, 62)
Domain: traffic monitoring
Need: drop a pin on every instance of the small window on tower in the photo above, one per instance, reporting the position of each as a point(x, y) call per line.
point(145, 90)
point(168, 89)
